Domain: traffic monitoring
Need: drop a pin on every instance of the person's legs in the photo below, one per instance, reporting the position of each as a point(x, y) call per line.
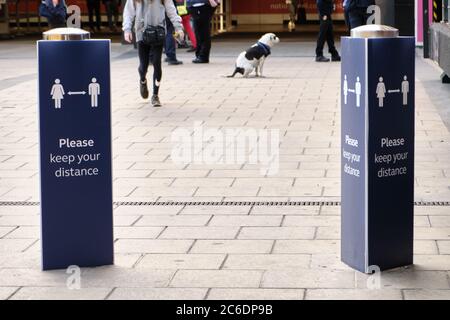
point(347, 20)
point(157, 52)
point(109, 13)
point(90, 7)
point(322, 36)
point(197, 26)
point(330, 39)
point(206, 49)
point(115, 11)
point(97, 14)
point(202, 25)
point(144, 60)
point(170, 41)
point(157, 69)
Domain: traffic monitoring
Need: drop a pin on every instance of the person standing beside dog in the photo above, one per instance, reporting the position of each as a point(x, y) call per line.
point(357, 12)
point(148, 17)
point(326, 33)
point(202, 12)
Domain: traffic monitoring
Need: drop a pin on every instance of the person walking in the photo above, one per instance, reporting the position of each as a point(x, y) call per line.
point(148, 18)
point(326, 33)
point(357, 12)
point(202, 12)
point(94, 8)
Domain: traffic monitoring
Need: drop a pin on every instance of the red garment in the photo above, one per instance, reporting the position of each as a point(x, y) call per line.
point(188, 28)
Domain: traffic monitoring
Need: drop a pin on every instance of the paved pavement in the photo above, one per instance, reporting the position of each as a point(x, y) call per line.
point(210, 251)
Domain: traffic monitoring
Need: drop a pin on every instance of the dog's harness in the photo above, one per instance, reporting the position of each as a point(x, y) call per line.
point(256, 52)
point(265, 47)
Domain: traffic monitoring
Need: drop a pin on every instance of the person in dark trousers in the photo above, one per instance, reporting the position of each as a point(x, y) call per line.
point(149, 14)
point(357, 12)
point(202, 12)
point(346, 15)
point(326, 8)
point(55, 11)
point(94, 8)
point(170, 45)
point(112, 10)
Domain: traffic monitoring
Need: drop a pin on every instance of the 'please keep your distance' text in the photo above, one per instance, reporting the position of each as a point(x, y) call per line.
point(71, 163)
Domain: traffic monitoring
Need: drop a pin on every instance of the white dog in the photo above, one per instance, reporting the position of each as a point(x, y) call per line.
point(255, 56)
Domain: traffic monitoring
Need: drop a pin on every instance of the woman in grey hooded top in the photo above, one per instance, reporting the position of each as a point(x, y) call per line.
point(142, 14)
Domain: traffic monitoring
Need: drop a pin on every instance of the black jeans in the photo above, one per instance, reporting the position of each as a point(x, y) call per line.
point(202, 24)
point(94, 5)
point(326, 34)
point(357, 17)
point(154, 53)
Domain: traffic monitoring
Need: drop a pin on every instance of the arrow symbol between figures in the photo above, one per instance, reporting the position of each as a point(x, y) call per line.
point(76, 92)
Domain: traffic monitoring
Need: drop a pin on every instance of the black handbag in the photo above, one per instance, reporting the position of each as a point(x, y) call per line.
point(154, 35)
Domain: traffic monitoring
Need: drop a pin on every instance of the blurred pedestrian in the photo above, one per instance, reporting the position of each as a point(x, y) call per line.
point(112, 10)
point(346, 16)
point(55, 11)
point(171, 44)
point(202, 12)
point(94, 9)
point(326, 33)
point(357, 12)
point(148, 18)
point(293, 10)
point(186, 17)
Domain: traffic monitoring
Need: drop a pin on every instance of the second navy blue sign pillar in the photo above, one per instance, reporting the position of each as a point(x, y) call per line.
point(75, 153)
point(377, 102)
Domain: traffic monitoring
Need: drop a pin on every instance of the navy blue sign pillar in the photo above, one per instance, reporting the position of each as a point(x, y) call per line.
point(75, 153)
point(377, 102)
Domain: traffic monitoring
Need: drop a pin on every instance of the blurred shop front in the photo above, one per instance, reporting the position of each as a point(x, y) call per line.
point(21, 16)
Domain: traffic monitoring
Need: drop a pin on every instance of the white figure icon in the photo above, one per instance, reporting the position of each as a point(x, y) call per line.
point(57, 93)
point(94, 92)
point(345, 88)
point(405, 90)
point(381, 92)
point(358, 92)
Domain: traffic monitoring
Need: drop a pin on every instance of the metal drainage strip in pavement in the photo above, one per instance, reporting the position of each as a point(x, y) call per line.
point(230, 203)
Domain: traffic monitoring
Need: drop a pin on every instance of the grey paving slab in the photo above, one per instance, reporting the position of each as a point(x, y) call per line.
point(52, 293)
point(217, 279)
point(158, 294)
point(256, 294)
point(353, 294)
